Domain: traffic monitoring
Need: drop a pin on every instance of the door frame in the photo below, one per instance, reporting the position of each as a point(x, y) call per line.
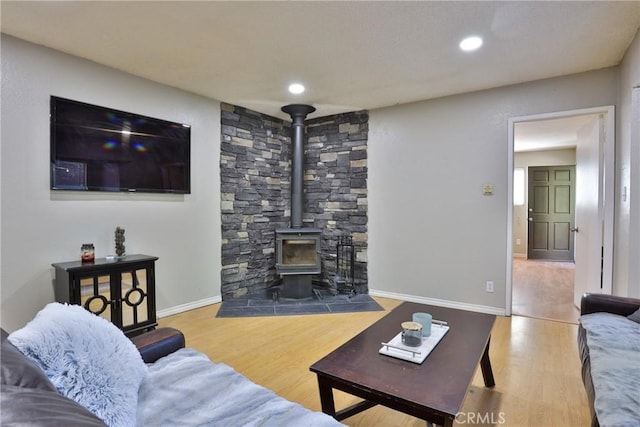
point(608, 196)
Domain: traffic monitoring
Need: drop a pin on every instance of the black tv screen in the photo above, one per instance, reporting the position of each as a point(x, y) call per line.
point(101, 149)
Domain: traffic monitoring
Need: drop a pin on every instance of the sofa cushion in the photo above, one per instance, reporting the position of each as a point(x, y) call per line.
point(635, 316)
point(202, 393)
point(36, 407)
point(613, 342)
point(87, 358)
point(18, 370)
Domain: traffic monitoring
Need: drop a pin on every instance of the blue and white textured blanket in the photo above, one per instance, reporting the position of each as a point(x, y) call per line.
point(185, 388)
point(87, 358)
point(614, 352)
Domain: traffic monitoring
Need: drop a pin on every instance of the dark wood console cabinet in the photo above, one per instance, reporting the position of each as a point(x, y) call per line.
point(122, 291)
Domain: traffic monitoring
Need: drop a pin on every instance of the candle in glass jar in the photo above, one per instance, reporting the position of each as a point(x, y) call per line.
point(87, 252)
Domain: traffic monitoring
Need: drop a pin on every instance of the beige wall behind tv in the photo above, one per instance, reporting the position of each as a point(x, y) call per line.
point(40, 226)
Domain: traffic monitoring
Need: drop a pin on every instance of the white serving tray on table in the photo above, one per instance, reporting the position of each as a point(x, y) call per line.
point(395, 348)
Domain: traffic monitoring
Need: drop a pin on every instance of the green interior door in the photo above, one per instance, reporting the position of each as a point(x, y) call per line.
point(551, 212)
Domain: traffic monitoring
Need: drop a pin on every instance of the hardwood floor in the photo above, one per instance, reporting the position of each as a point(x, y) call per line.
point(544, 290)
point(535, 363)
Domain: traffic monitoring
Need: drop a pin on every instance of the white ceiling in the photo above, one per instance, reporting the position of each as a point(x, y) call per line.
point(550, 134)
point(350, 55)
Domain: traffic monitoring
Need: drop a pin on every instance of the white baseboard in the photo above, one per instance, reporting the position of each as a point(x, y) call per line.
point(383, 294)
point(440, 303)
point(515, 255)
point(189, 306)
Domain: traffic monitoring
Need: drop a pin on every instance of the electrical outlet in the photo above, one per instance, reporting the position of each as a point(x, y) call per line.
point(489, 286)
point(518, 242)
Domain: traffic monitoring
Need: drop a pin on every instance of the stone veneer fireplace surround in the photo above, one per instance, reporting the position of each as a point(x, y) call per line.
point(255, 168)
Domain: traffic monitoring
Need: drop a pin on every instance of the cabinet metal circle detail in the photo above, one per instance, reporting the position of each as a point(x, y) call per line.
point(129, 297)
point(89, 304)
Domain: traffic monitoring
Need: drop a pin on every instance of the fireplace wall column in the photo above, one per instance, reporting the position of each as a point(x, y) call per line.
point(255, 193)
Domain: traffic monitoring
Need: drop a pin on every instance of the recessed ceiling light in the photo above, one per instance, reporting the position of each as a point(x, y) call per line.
point(471, 43)
point(296, 88)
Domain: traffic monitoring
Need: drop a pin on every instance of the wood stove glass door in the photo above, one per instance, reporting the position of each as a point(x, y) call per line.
point(299, 252)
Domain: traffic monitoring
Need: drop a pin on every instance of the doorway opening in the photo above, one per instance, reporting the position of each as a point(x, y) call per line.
point(544, 290)
point(551, 289)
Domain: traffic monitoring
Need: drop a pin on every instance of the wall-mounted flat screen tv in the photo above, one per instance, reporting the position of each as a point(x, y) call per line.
point(101, 149)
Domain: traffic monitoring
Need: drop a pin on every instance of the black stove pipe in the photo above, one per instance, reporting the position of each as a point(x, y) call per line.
point(298, 112)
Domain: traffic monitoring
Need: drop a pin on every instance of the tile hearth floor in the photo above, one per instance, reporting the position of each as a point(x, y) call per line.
point(288, 306)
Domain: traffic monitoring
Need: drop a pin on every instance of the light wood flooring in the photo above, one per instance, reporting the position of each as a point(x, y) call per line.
point(535, 363)
point(544, 290)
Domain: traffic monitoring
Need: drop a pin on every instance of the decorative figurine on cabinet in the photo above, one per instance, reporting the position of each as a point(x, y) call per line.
point(119, 242)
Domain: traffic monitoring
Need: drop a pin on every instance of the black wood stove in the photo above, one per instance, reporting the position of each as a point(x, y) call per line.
point(297, 259)
point(297, 248)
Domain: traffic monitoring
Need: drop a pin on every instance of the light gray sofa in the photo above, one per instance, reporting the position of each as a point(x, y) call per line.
point(70, 367)
point(609, 348)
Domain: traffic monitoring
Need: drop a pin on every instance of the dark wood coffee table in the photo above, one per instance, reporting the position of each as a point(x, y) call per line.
point(433, 391)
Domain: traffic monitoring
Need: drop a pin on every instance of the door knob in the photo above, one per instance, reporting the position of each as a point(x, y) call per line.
point(530, 219)
point(530, 209)
point(575, 229)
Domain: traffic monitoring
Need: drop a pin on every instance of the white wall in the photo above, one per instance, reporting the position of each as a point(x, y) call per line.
point(40, 227)
point(520, 214)
point(627, 249)
point(432, 233)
